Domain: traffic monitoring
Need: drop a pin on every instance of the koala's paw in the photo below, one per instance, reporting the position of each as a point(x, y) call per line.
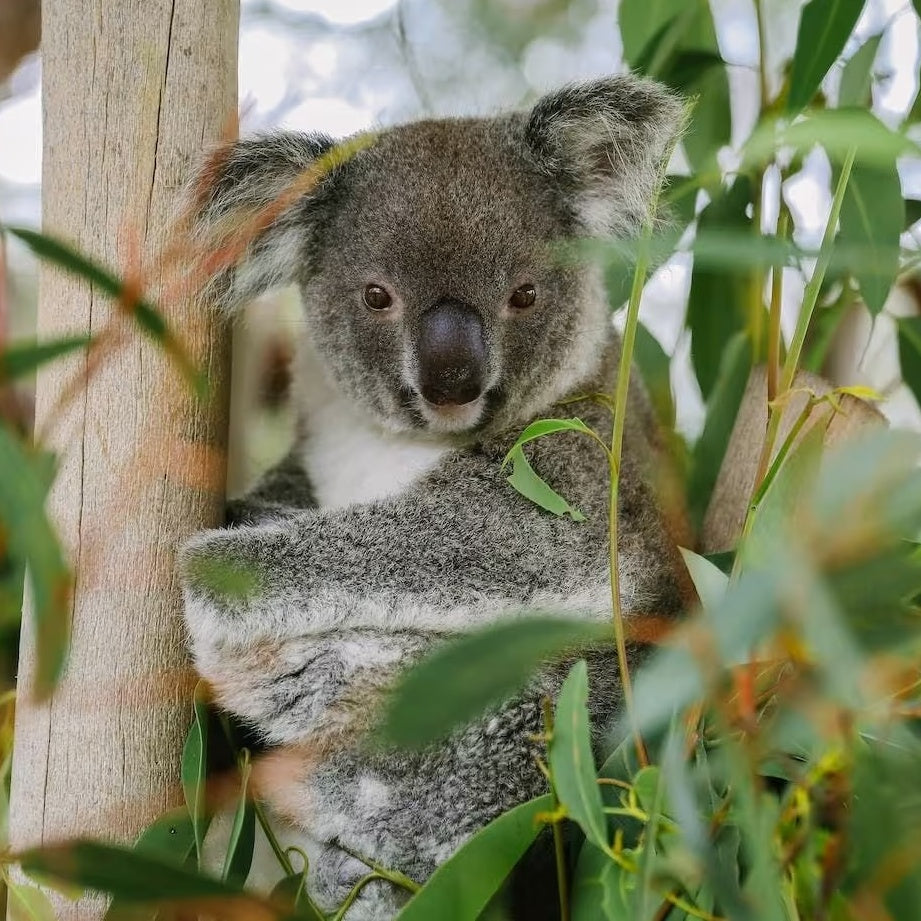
point(228, 580)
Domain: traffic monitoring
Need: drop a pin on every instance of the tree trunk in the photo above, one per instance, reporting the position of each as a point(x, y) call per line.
point(134, 90)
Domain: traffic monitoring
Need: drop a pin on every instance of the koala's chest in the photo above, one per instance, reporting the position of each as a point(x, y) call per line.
point(350, 464)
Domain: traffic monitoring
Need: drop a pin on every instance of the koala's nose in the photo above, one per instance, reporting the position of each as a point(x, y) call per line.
point(451, 352)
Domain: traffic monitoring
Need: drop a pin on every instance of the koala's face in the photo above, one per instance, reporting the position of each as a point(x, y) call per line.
point(435, 297)
point(427, 263)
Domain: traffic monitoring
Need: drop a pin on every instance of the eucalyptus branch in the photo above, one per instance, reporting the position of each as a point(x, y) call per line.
point(810, 298)
point(559, 855)
point(773, 357)
point(616, 453)
point(392, 876)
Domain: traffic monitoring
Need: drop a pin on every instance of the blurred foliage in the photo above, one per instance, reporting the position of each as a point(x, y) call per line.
point(767, 766)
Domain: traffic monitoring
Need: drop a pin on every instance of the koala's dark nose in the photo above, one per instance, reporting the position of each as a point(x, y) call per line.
point(451, 351)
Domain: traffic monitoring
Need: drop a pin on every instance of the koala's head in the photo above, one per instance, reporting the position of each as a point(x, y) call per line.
point(427, 261)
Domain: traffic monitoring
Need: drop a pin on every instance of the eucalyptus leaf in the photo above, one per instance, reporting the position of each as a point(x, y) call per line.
point(463, 885)
point(571, 760)
point(27, 903)
point(542, 427)
point(292, 892)
point(57, 252)
point(711, 582)
point(909, 337)
point(23, 358)
point(722, 409)
point(857, 76)
point(824, 27)
point(526, 481)
point(33, 543)
point(171, 836)
point(872, 217)
point(655, 368)
point(675, 42)
point(600, 883)
point(239, 856)
point(837, 131)
point(195, 767)
point(717, 303)
point(465, 676)
point(134, 877)
point(671, 679)
point(912, 213)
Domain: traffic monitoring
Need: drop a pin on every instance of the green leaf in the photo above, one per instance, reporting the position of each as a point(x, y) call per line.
point(600, 883)
point(145, 314)
point(23, 358)
point(171, 836)
point(464, 677)
point(31, 542)
point(27, 903)
point(292, 892)
point(909, 329)
point(542, 427)
point(59, 253)
point(837, 131)
point(788, 484)
point(462, 886)
point(857, 76)
point(888, 502)
point(872, 217)
point(532, 487)
point(655, 368)
point(722, 409)
point(710, 582)
point(671, 679)
point(824, 27)
point(718, 297)
point(195, 767)
point(650, 791)
point(912, 213)
point(675, 42)
point(571, 761)
point(133, 877)
point(239, 856)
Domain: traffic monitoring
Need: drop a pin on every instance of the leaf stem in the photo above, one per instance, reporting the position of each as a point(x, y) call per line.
point(773, 358)
point(392, 876)
point(810, 297)
point(614, 462)
point(269, 833)
point(558, 852)
point(615, 455)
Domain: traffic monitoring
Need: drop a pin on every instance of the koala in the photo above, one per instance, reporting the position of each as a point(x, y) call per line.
point(438, 321)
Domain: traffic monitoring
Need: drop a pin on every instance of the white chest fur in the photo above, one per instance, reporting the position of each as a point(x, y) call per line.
point(348, 460)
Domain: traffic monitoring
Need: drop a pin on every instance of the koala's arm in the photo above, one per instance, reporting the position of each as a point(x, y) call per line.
point(343, 598)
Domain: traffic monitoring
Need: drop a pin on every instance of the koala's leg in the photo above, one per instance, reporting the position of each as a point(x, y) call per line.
point(407, 812)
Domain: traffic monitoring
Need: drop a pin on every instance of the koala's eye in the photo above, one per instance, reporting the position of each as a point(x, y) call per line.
point(376, 297)
point(523, 297)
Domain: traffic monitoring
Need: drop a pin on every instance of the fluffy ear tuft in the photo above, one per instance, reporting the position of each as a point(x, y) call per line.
point(606, 139)
point(246, 209)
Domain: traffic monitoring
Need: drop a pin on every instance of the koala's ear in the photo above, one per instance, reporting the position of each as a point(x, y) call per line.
point(249, 211)
point(604, 140)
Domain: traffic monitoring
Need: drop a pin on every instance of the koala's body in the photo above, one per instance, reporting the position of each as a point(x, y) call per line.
point(437, 323)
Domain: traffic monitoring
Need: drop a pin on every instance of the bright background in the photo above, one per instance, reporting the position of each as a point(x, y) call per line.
point(340, 66)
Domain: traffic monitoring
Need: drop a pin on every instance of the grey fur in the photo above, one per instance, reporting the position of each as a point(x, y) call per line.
point(347, 597)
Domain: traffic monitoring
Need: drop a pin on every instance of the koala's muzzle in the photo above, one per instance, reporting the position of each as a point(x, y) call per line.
point(451, 354)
